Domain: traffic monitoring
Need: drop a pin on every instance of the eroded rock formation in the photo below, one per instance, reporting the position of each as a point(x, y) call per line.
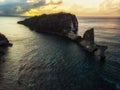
point(88, 43)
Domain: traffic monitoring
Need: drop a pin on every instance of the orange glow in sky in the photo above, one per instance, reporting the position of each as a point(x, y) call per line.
point(78, 7)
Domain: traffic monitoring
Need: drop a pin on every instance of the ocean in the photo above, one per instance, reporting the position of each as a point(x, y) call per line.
point(48, 62)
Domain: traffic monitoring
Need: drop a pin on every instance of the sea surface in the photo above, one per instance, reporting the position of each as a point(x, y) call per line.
point(47, 62)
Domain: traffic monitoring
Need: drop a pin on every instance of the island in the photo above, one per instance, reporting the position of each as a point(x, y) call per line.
point(59, 23)
point(4, 44)
point(64, 24)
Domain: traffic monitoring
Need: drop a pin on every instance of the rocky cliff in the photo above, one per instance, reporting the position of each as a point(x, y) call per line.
point(4, 44)
point(59, 23)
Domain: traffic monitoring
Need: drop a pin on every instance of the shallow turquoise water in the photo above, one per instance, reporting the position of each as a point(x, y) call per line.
point(45, 62)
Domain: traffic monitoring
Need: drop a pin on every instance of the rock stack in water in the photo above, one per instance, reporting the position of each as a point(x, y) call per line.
point(4, 44)
point(64, 24)
point(88, 43)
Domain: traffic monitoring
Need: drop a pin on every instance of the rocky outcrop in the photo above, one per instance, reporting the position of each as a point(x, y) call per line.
point(64, 24)
point(59, 23)
point(4, 44)
point(88, 43)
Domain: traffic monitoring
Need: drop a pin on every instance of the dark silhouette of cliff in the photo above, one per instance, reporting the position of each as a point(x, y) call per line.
point(4, 44)
point(58, 23)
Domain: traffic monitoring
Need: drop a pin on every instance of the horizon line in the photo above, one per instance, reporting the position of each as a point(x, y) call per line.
point(90, 16)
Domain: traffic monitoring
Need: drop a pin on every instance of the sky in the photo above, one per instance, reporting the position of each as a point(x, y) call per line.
point(77, 7)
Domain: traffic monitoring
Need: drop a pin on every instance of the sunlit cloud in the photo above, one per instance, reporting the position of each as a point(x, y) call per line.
point(16, 7)
point(32, 1)
point(83, 3)
point(78, 7)
point(2, 0)
point(110, 7)
point(53, 1)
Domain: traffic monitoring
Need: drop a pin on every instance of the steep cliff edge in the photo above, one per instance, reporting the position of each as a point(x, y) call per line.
point(59, 23)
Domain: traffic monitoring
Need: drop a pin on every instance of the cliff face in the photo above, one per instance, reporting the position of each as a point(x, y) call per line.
point(59, 23)
point(4, 43)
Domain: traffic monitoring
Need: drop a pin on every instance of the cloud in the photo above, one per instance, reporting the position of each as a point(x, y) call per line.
point(33, 1)
point(1, 0)
point(110, 7)
point(78, 7)
point(16, 7)
point(53, 1)
point(19, 9)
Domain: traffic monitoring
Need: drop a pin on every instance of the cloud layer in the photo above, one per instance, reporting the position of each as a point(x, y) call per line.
point(110, 7)
point(78, 7)
point(16, 7)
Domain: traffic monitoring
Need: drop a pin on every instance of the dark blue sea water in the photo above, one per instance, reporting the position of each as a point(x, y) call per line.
point(44, 62)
